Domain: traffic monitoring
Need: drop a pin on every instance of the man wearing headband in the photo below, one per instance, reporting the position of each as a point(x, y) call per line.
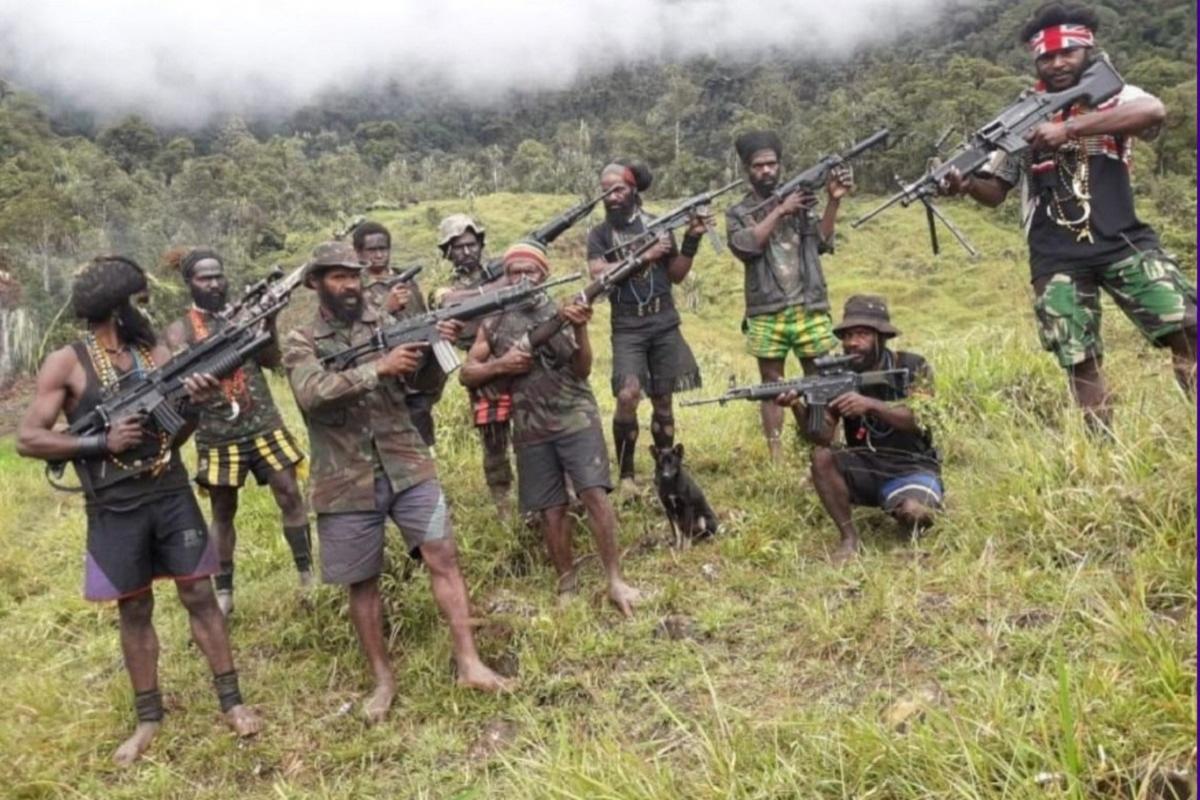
point(556, 422)
point(369, 465)
point(241, 432)
point(649, 353)
point(1079, 218)
point(461, 240)
point(787, 304)
point(373, 245)
point(143, 522)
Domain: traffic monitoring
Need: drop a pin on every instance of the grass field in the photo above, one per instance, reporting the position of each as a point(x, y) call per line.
point(1041, 642)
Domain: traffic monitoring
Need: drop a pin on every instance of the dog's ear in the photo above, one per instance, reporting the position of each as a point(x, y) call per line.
point(679, 450)
point(653, 452)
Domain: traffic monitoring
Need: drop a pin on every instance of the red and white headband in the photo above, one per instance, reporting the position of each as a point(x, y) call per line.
point(1061, 37)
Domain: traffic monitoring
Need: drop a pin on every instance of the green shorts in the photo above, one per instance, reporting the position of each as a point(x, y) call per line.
point(1148, 287)
point(806, 333)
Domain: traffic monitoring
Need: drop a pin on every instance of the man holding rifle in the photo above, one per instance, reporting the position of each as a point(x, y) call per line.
point(780, 244)
point(649, 353)
point(370, 464)
point(373, 246)
point(888, 460)
point(556, 423)
point(1079, 217)
point(143, 522)
point(461, 241)
point(240, 432)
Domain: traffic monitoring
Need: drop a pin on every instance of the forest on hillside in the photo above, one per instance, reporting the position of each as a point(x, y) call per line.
point(72, 185)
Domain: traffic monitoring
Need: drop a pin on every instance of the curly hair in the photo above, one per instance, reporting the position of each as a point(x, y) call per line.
point(104, 284)
point(365, 229)
point(1059, 14)
point(194, 256)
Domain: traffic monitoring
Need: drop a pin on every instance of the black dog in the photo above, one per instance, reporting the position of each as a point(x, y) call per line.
point(688, 511)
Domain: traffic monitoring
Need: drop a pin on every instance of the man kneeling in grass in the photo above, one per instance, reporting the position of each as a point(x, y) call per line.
point(556, 423)
point(888, 460)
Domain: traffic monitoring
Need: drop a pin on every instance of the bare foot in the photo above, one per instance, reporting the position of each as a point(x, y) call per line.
point(846, 551)
point(307, 581)
point(243, 721)
point(474, 674)
point(376, 707)
point(568, 587)
point(225, 602)
point(133, 747)
point(623, 596)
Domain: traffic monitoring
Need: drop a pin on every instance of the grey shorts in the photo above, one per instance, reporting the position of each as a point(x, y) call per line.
point(582, 455)
point(352, 541)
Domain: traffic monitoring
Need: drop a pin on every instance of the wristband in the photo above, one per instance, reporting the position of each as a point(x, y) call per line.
point(91, 446)
point(690, 246)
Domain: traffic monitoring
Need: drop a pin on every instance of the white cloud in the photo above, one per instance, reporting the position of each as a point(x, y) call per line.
point(183, 62)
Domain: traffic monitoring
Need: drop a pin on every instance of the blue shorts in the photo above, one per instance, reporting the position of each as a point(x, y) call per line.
point(879, 482)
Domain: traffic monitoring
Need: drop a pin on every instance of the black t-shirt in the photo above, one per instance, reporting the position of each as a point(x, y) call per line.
point(654, 281)
point(1049, 184)
point(868, 433)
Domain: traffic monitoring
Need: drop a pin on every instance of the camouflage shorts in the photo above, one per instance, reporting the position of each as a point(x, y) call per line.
point(1148, 287)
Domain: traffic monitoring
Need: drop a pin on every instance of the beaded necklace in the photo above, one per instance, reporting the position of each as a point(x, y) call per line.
point(1075, 178)
point(143, 359)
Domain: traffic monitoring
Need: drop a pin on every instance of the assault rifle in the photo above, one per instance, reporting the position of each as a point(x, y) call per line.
point(832, 379)
point(1007, 132)
point(817, 175)
point(548, 232)
point(423, 328)
point(680, 215)
point(158, 394)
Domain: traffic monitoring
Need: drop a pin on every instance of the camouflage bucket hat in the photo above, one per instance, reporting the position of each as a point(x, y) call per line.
point(866, 311)
point(328, 255)
point(456, 225)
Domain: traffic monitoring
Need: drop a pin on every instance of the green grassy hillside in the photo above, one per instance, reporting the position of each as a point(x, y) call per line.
point(1039, 643)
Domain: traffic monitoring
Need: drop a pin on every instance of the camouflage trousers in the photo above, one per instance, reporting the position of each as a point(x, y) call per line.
point(1148, 287)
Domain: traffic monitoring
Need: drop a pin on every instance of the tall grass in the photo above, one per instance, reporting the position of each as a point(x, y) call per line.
point(1039, 643)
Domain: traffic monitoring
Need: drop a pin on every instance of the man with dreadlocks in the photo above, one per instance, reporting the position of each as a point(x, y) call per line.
point(649, 353)
point(461, 242)
point(1079, 218)
point(143, 522)
point(240, 432)
point(787, 304)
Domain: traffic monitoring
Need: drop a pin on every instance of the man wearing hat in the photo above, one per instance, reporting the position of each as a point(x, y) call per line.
point(556, 422)
point(649, 353)
point(241, 432)
point(373, 246)
point(143, 522)
point(461, 241)
point(1078, 212)
point(888, 460)
point(780, 246)
point(370, 464)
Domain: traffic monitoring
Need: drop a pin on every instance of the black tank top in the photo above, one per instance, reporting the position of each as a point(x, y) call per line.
point(109, 485)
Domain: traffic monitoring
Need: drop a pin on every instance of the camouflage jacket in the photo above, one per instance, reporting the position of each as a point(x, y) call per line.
point(245, 408)
point(460, 281)
point(785, 273)
point(358, 423)
point(549, 401)
point(375, 292)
